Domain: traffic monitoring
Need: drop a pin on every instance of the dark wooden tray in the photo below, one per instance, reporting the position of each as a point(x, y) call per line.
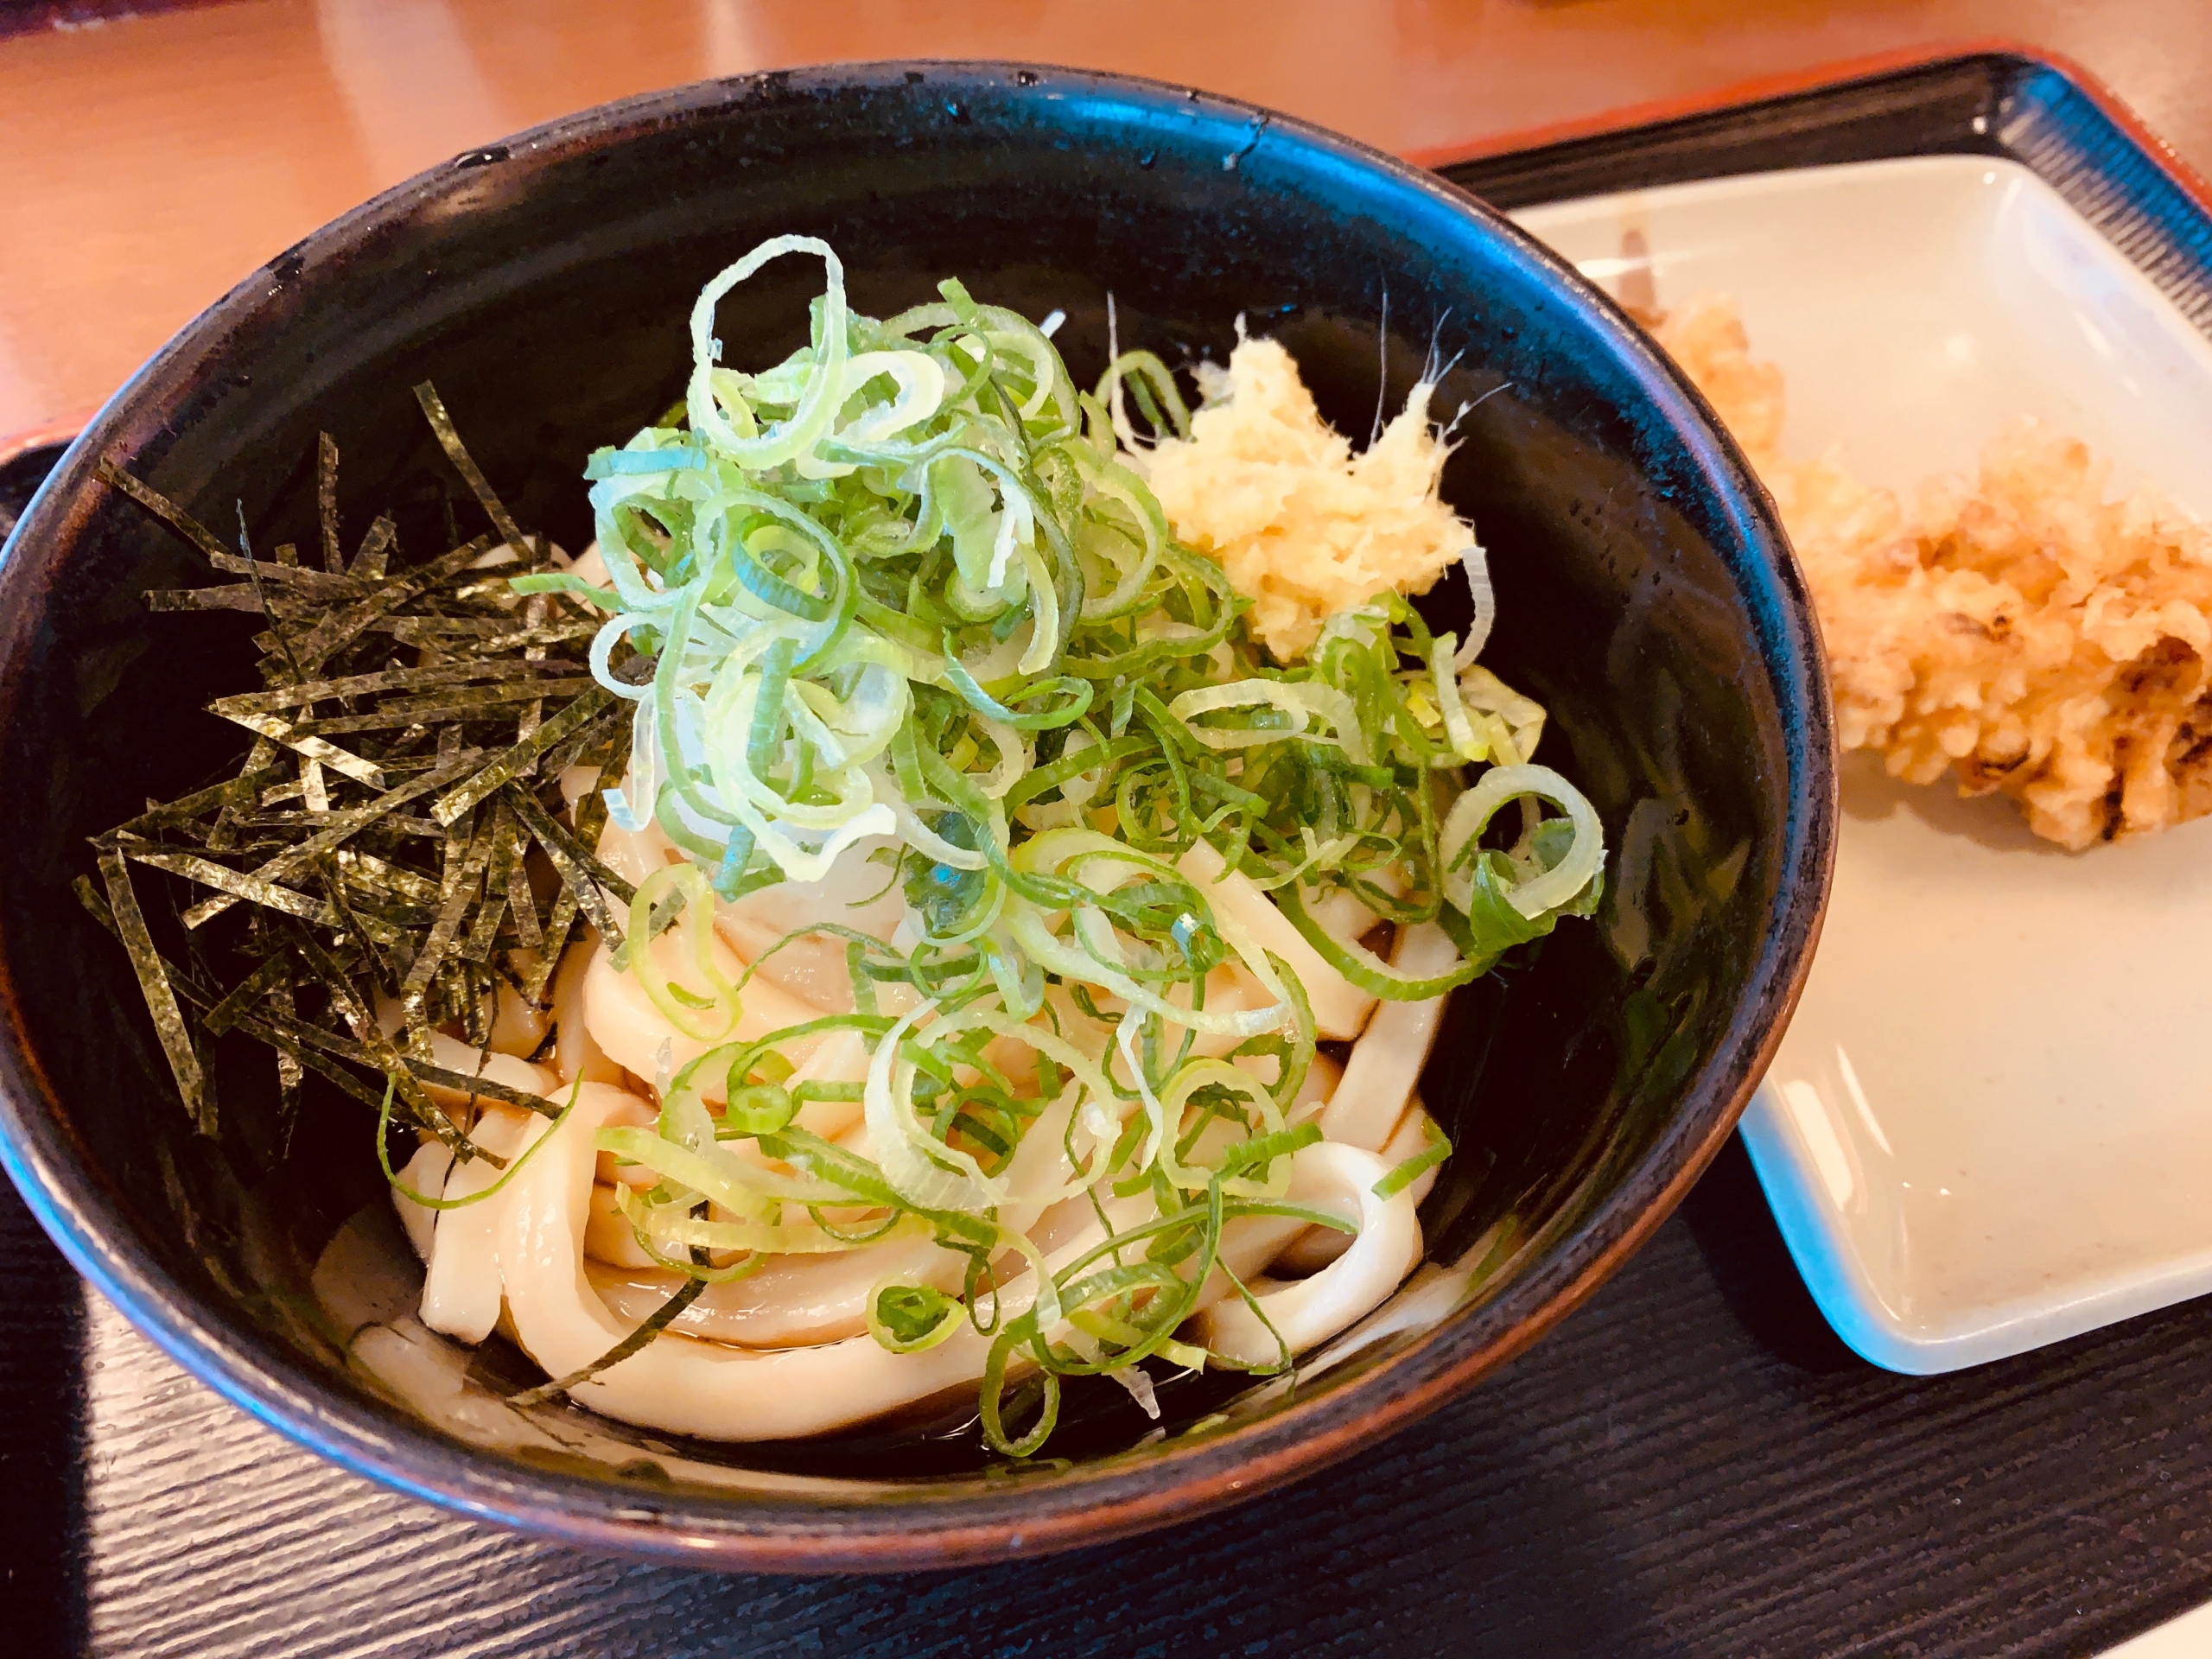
point(1693, 1463)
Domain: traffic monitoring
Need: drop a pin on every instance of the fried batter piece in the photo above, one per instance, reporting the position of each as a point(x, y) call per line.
point(2045, 642)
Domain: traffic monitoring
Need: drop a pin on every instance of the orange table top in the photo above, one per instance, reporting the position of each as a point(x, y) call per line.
point(153, 161)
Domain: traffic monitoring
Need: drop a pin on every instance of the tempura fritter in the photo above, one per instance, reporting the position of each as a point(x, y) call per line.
point(2045, 642)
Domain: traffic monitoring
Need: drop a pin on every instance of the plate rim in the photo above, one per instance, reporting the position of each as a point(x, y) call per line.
point(2040, 111)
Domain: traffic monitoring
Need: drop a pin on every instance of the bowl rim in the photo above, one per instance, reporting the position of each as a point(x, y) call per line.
point(1090, 1504)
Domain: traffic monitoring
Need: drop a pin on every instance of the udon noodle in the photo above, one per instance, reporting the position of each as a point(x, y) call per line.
point(785, 1350)
point(968, 925)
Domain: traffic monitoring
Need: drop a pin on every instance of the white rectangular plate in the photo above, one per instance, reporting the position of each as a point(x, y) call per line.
point(1989, 1126)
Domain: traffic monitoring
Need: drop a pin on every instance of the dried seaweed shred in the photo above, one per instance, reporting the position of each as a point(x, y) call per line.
point(656, 1322)
point(161, 995)
point(377, 889)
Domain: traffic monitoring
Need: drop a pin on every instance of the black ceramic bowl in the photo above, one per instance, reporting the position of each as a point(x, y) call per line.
point(1646, 595)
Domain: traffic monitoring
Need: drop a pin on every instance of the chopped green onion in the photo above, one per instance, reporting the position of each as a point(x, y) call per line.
point(905, 595)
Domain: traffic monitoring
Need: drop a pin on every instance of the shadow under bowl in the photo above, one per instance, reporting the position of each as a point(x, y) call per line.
point(1646, 596)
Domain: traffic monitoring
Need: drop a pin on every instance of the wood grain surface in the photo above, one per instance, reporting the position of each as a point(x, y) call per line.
point(1692, 1465)
point(151, 161)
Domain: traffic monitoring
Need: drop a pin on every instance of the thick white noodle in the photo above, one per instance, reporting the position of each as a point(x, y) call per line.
point(425, 1173)
point(1342, 915)
point(574, 1052)
point(1340, 1009)
point(1387, 1061)
point(679, 1383)
point(634, 854)
point(460, 1290)
point(624, 1022)
point(856, 894)
point(609, 1240)
point(1341, 1179)
point(1250, 1244)
point(517, 1026)
point(456, 1056)
point(794, 1301)
point(783, 1352)
point(1314, 1247)
point(811, 1299)
point(1230, 989)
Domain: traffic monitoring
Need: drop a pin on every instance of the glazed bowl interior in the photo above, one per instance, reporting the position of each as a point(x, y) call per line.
point(1644, 596)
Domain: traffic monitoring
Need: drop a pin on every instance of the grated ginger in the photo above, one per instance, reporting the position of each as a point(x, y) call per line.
point(1305, 528)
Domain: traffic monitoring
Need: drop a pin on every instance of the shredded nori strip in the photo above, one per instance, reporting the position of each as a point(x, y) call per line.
point(580, 871)
point(111, 472)
point(326, 496)
point(482, 1088)
point(372, 874)
point(558, 928)
point(317, 583)
point(247, 994)
point(442, 423)
point(339, 828)
point(497, 875)
point(240, 884)
point(469, 876)
point(240, 598)
point(524, 756)
point(160, 996)
point(412, 711)
point(341, 628)
point(522, 903)
point(314, 748)
point(376, 549)
point(289, 1048)
point(403, 861)
point(239, 791)
point(291, 1070)
point(656, 1322)
point(428, 677)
